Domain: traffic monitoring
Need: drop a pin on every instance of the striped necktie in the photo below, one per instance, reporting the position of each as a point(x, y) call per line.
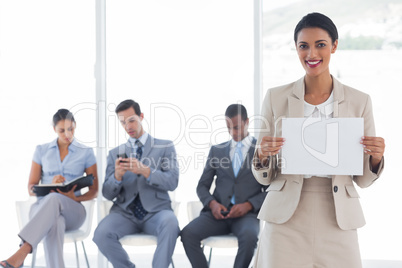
point(136, 206)
point(138, 154)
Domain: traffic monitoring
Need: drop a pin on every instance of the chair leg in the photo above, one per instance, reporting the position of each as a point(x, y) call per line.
point(172, 264)
point(210, 256)
point(76, 254)
point(85, 253)
point(33, 258)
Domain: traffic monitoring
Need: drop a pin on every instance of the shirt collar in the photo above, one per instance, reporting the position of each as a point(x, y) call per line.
point(326, 108)
point(143, 139)
point(247, 141)
point(53, 144)
point(74, 144)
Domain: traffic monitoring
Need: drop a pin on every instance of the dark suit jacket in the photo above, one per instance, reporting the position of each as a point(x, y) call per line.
point(160, 156)
point(245, 187)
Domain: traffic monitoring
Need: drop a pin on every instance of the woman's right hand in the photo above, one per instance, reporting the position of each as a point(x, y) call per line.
point(58, 179)
point(270, 146)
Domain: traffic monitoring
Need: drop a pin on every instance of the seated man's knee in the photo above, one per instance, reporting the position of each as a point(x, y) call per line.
point(169, 219)
point(171, 224)
point(189, 234)
point(97, 238)
point(102, 234)
point(248, 236)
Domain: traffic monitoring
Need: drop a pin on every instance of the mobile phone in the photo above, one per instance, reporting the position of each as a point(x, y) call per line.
point(225, 213)
point(123, 155)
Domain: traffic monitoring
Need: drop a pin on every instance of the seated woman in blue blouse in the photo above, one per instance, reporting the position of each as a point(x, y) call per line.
point(63, 159)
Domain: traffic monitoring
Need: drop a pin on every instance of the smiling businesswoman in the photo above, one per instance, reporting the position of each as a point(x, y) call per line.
point(311, 220)
point(63, 159)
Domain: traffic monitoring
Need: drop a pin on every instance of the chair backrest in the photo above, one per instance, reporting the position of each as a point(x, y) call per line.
point(89, 208)
point(23, 208)
point(193, 209)
point(105, 208)
point(175, 207)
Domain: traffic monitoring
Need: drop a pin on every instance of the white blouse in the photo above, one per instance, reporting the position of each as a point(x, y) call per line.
point(325, 109)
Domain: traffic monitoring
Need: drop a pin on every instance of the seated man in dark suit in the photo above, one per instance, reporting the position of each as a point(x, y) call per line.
point(237, 198)
point(139, 175)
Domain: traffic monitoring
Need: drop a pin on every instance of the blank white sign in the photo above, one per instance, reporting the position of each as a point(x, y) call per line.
point(320, 146)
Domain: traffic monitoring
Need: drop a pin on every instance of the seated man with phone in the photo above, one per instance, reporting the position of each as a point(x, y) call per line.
point(139, 175)
point(237, 198)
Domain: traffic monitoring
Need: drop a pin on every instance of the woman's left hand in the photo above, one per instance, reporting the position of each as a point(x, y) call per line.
point(375, 147)
point(70, 193)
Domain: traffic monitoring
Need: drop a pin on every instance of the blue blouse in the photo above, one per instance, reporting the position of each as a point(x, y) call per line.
point(79, 158)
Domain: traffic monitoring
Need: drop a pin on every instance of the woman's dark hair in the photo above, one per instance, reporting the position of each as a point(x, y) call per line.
point(318, 20)
point(62, 114)
point(126, 104)
point(236, 109)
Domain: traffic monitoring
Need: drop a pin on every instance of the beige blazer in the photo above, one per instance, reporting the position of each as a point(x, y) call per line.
point(284, 190)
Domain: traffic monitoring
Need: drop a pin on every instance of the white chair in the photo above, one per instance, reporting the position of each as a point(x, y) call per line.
point(220, 241)
point(74, 236)
point(139, 239)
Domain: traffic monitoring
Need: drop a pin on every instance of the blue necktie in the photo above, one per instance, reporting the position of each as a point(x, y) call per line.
point(237, 159)
point(236, 164)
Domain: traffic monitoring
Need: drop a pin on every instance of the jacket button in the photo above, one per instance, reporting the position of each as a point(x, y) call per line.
point(335, 188)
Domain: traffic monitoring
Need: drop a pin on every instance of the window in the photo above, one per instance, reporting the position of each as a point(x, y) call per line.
point(184, 62)
point(47, 55)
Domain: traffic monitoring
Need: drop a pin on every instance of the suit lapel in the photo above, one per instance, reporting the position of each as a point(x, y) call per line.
point(296, 100)
point(340, 104)
point(146, 149)
point(250, 153)
point(128, 149)
point(227, 155)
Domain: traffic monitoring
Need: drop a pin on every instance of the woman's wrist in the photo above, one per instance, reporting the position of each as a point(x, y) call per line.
point(375, 164)
point(31, 190)
point(263, 161)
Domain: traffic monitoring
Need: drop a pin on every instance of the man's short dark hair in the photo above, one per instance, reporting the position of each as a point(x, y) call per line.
point(236, 109)
point(126, 104)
